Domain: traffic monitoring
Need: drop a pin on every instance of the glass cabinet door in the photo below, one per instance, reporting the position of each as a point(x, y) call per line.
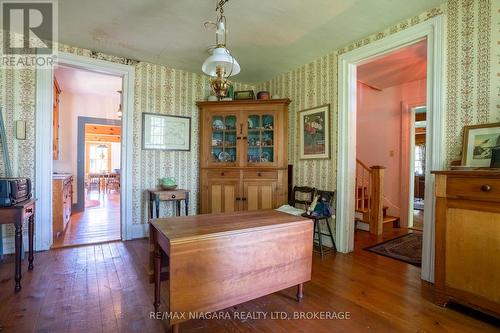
point(260, 136)
point(224, 143)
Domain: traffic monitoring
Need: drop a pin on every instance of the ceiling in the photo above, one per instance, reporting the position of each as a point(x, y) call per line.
point(81, 81)
point(403, 65)
point(267, 38)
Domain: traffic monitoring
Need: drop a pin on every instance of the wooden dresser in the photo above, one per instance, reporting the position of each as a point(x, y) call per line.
point(62, 199)
point(467, 263)
point(243, 155)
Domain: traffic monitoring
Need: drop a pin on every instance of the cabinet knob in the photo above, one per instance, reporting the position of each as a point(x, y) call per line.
point(259, 174)
point(222, 174)
point(238, 199)
point(486, 188)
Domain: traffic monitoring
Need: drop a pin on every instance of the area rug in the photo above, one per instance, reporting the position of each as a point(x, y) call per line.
point(407, 248)
point(418, 204)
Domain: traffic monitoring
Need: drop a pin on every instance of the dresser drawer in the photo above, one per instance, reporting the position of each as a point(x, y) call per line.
point(483, 189)
point(264, 174)
point(172, 195)
point(233, 174)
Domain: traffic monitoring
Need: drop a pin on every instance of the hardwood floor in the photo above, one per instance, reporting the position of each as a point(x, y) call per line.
point(100, 222)
point(104, 288)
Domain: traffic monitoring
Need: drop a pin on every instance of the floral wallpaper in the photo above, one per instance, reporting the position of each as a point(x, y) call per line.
point(472, 93)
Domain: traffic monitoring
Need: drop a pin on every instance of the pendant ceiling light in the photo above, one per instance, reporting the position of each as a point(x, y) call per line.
point(220, 65)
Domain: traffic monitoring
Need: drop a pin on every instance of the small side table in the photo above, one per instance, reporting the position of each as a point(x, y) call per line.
point(178, 195)
point(17, 214)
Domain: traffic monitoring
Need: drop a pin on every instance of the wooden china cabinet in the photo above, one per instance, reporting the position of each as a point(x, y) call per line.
point(243, 155)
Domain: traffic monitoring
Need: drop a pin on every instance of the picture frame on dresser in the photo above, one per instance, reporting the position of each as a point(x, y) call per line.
point(314, 133)
point(166, 132)
point(478, 143)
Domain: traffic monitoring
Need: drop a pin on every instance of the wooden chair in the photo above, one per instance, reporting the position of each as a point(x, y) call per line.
point(113, 182)
point(94, 180)
point(328, 198)
point(302, 195)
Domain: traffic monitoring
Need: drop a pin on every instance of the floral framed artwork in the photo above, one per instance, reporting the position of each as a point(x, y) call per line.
point(314, 131)
point(162, 132)
point(479, 140)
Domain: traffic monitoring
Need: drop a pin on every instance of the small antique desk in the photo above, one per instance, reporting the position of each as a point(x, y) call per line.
point(216, 261)
point(17, 214)
point(156, 195)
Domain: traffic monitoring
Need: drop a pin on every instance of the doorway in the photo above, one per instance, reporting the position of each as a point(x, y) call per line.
point(87, 157)
point(417, 168)
point(432, 30)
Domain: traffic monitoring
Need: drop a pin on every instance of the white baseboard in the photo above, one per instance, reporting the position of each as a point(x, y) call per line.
point(362, 226)
point(140, 230)
point(9, 245)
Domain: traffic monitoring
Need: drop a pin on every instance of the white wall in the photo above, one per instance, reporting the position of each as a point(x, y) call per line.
point(72, 106)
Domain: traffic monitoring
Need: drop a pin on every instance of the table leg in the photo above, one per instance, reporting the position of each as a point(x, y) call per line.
point(157, 204)
point(157, 272)
point(186, 203)
point(19, 247)
point(31, 230)
point(178, 208)
point(175, 328)
point(300, 292)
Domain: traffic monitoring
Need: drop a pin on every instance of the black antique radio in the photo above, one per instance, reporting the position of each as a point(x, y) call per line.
point(14, 190)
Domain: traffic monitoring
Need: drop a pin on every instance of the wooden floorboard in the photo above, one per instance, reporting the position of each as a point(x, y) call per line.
point(96, 224)
point(104, 288)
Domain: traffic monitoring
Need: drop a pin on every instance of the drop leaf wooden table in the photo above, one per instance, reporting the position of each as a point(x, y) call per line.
point(216, 261)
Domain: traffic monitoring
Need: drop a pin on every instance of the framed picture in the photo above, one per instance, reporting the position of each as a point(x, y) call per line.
point(164, 132)
point(479, 140)
point(314, 131)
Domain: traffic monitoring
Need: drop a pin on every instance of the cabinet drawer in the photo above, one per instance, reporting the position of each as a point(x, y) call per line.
point(172, 195)
point(484, 189)
point(265, 174)
point(223, 174)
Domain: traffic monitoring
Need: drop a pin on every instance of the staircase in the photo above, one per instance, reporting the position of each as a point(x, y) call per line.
point(369, 198)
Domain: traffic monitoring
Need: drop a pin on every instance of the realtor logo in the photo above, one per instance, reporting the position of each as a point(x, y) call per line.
point(29, 32)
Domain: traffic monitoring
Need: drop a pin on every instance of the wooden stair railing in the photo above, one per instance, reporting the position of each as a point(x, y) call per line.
point(363, 189)
point(369, 195)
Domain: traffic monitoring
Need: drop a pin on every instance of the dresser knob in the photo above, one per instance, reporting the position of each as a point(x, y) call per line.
point(222, 174)
point(486, 188)
point(259, 174)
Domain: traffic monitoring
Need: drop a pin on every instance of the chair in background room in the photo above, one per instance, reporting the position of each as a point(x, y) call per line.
point(113, 182)
point(93, 181)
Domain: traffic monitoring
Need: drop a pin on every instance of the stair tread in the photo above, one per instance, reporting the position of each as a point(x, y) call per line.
point(389, 218)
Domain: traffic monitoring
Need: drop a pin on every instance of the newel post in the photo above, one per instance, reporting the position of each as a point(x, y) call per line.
point(377, 200)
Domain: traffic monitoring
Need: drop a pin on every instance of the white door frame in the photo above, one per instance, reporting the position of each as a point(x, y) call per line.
point(44, 137)
point(431, 29)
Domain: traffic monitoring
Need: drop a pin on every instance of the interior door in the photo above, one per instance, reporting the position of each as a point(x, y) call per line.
point(259, 195)
point(224, 195)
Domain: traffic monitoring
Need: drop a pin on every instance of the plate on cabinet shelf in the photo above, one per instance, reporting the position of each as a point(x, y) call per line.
point(224, 157)
point(218, 125)
point(265, 156)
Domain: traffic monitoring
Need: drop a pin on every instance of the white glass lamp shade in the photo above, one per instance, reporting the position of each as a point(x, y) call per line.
point(220, 57)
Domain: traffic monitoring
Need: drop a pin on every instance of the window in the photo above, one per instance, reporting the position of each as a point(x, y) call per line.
point(419, 160)
point(98, 158)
